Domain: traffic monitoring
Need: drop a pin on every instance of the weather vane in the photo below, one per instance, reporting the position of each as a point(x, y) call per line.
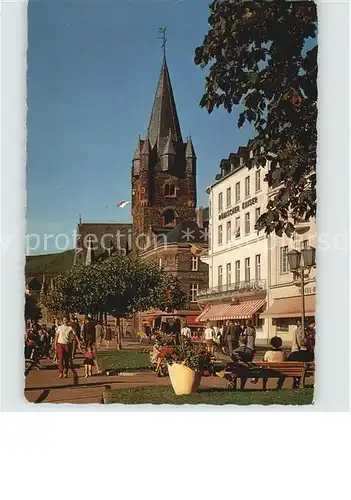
point(161, 34)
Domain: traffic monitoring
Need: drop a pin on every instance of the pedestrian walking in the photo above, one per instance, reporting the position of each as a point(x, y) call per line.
point(107, 334)
point(185, 332)
point(250, 335)
point(88, 332)
point(297, 338)
point(76, 329)
point(89, 361)
point(231, 337)
point(98, 334)
point(209, 336)
point(63, 346)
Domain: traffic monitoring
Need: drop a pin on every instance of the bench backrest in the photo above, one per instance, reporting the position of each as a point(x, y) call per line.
point(287, 368)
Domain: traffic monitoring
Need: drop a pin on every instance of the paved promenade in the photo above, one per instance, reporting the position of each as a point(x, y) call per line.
point(44, 386)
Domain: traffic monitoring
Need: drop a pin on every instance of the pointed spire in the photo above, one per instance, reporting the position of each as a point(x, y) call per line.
point(145, 150)
point(137, 150)
point(164, 115)
point(189, 150)
point(169, 148)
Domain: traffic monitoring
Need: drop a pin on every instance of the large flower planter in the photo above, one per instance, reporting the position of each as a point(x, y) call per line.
point(184, 379)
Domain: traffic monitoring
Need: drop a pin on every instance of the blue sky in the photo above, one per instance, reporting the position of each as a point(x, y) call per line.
point(92, 74)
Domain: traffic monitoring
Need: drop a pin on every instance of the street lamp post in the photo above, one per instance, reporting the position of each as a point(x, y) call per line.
point(301, 269)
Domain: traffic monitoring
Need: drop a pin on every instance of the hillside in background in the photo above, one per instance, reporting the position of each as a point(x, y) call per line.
point(49, 264)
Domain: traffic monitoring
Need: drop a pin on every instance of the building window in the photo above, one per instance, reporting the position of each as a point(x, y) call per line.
point(194, 290)
point(220, 235)
point(237, 227)
point(220, 202)
point(237, 192)
point(229, 273)
point(258, 180)
point(284, 260)
point(229, 197)
point(303, 244)
point(194, 263)
point(247, 269)
point(237, 271)
point(247, 186)
point(257, 214)
point(220, 276)
point(247, 223)
point(258, 267)
point(169, 190)
point(229, 231)
point(169, 217)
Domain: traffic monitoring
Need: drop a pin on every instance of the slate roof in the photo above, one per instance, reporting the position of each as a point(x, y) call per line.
point(105, 235)
point(164, 116)
point(187, 231)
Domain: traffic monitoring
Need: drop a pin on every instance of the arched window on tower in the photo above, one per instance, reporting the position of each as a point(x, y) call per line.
point(169, 190)
point(169, 217)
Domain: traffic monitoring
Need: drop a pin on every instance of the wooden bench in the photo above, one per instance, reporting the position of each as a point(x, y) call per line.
point(266, 370)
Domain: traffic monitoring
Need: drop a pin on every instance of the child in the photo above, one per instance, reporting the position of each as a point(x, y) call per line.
point(89, 361)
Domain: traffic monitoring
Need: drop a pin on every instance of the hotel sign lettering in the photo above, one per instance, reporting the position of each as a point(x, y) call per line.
point(236, 209)
point(308, 290)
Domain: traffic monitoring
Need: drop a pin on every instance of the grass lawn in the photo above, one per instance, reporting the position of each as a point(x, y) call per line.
point(165, 395)
point(124, 360)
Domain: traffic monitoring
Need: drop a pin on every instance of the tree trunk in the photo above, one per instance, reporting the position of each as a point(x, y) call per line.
point(117, 333)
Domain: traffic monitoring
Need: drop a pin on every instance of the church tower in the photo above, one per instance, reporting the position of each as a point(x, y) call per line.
point(164, 168)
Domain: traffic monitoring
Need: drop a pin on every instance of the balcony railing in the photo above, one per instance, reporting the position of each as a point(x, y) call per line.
point(233, 288)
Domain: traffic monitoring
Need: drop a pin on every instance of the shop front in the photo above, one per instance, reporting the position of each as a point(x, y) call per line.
point(162, 320)
point(285, 313)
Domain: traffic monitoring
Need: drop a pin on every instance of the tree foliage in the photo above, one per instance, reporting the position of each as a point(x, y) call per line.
point(118, 286)
point(262, 57)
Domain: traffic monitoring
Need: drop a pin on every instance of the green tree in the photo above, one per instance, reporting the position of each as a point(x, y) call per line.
point(262, 58)
point(119, 286)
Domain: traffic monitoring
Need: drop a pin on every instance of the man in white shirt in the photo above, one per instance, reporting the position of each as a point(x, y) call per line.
point(185, 332)
point(63, 343)
point(209, 336)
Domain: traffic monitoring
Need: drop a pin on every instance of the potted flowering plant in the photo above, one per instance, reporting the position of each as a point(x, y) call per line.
point(186, 364)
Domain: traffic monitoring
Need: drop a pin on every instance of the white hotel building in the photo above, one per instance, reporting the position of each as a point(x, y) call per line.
point(249, 276)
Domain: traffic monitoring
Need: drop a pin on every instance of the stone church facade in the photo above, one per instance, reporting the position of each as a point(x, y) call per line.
point(164, 168)
point(166, 222)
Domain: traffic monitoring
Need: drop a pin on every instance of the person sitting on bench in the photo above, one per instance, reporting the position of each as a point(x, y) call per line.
point(243, 352)
point(275, 354)
point(304, 355)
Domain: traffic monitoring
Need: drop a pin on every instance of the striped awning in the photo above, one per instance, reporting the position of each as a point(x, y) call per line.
point(221, 312)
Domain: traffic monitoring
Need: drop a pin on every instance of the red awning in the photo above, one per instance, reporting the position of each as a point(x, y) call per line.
point(221, 312)
point(191, 320)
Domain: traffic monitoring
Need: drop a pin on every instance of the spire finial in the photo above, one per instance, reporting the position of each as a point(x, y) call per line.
point(80, 219)
point(161, 34)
